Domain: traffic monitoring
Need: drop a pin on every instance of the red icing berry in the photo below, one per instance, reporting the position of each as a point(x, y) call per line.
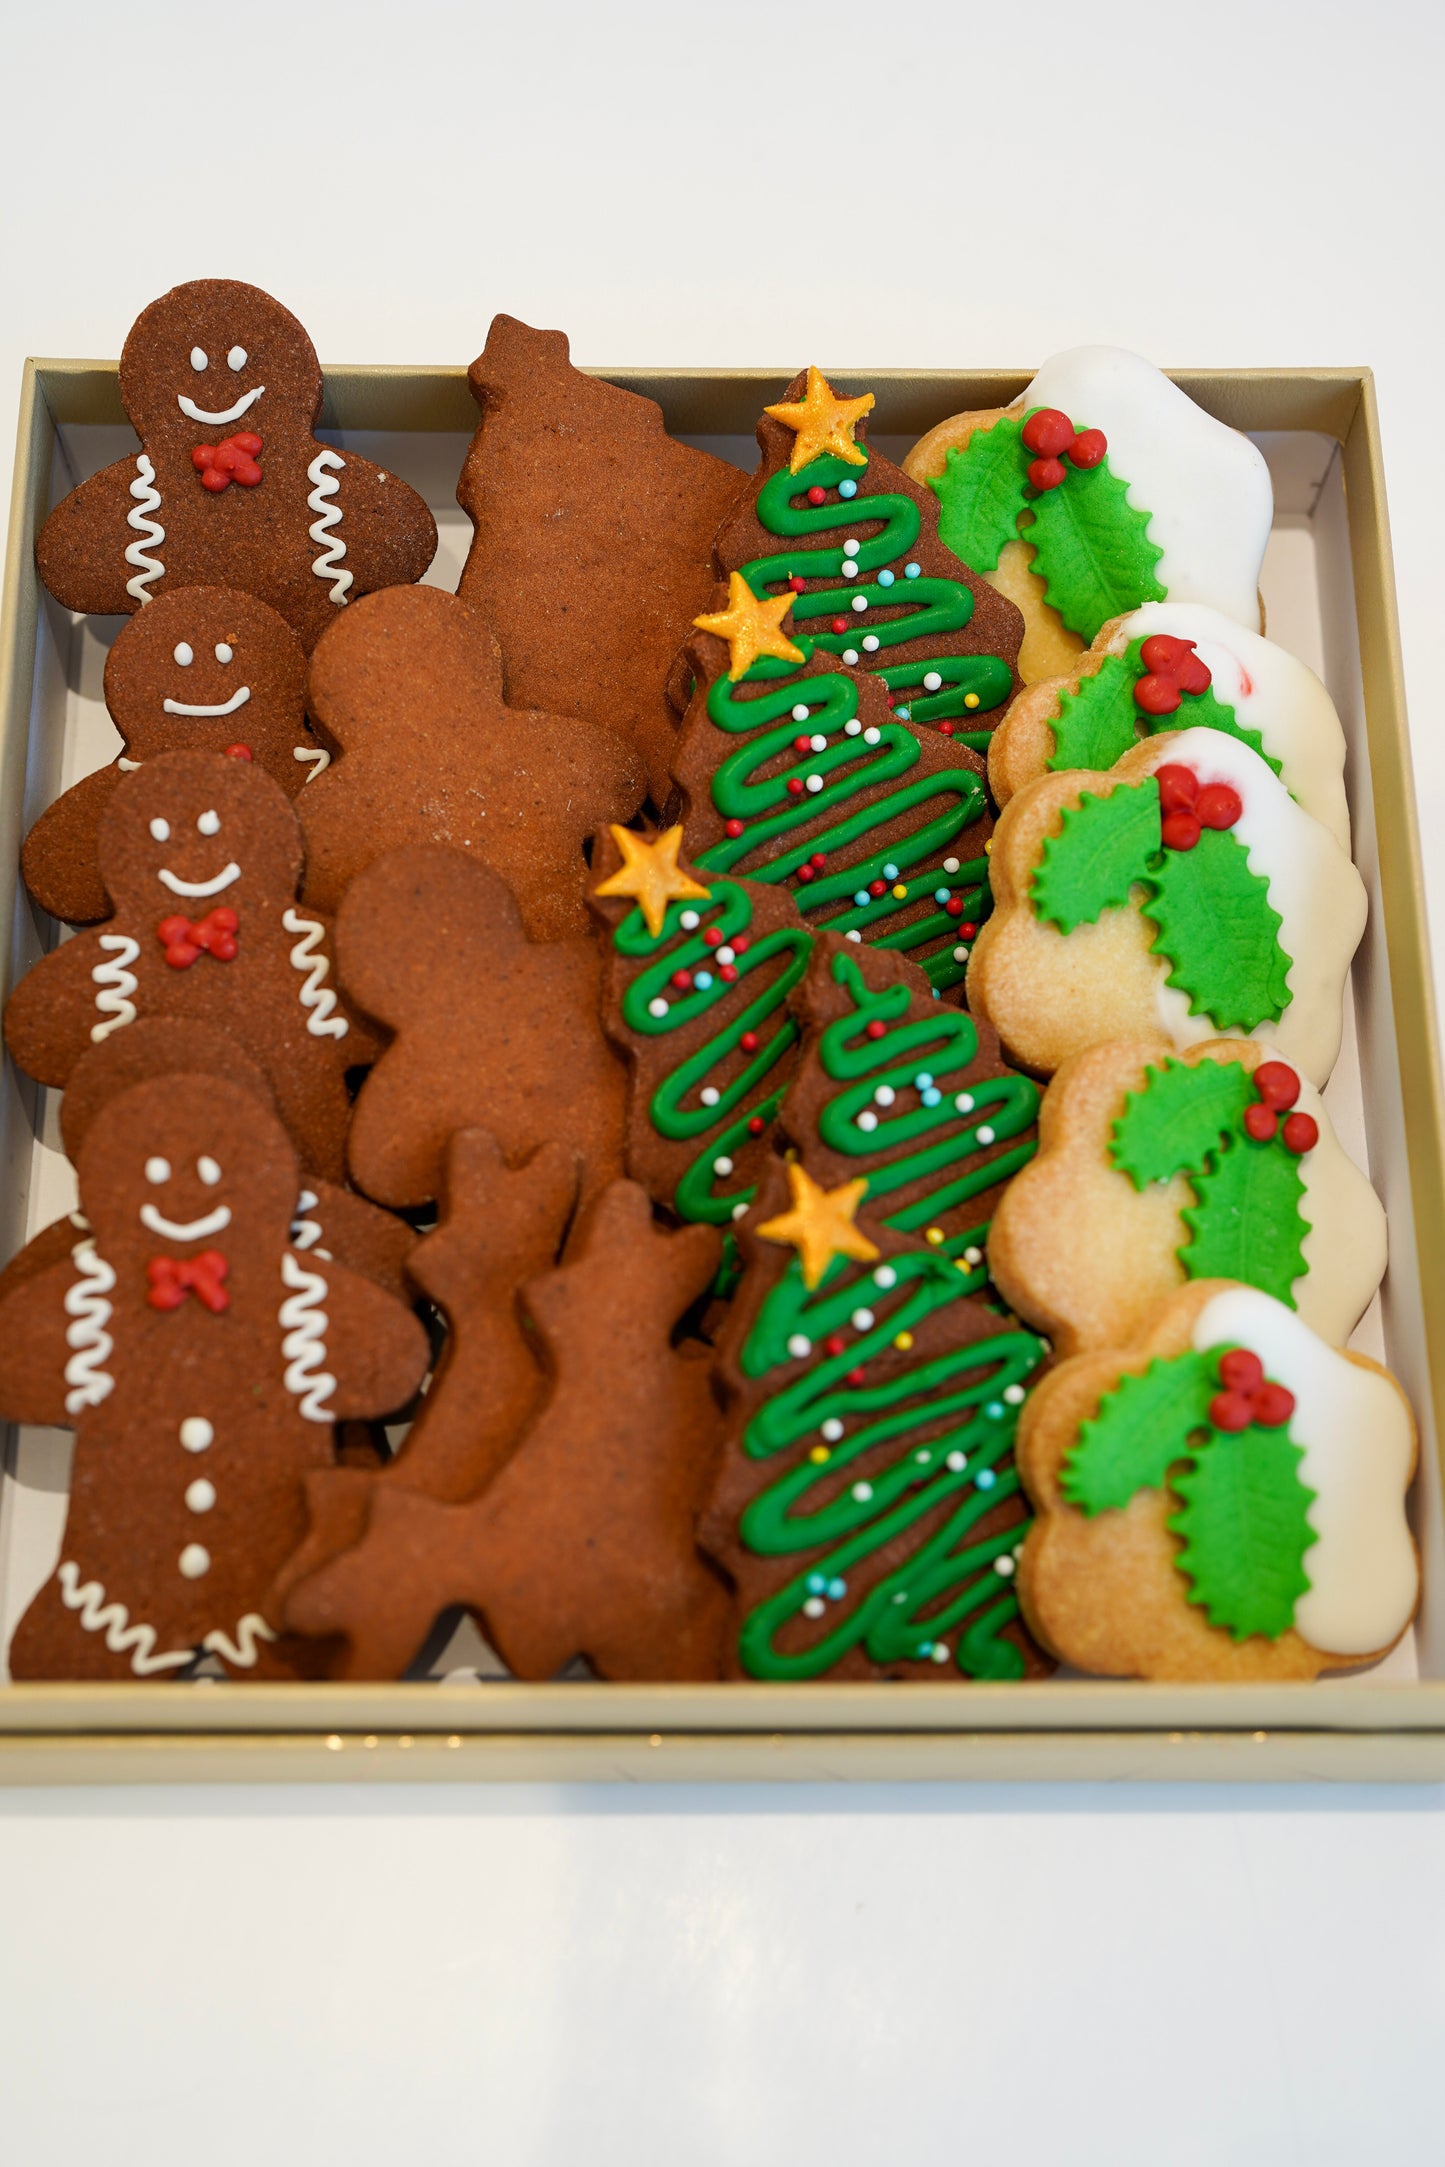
point(1162, 652)
point(1260, 1122)
point(1156, 695)
point(1277, 1084)
point(756, 1125)
point(733, 828)
point(1273, 1405)
point(1192, 675)
point(1179, 831)
point(840, 624)
point(749, 1042)
point(1173, 669)
point(1048, 432)
point(1301, 1132)
point(1231, 1411)
point(232, 460)
point(239, 752)
point(1178, 787)
point(1088, 447)
point(817, 495)
point(875, 1029)
point(682, 980)
point(795, 786)
point(1046, 474)
point(1241, 1371)
point(1218, 806)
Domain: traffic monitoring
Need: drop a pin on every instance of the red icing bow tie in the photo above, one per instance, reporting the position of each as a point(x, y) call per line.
point(184, 939)
point(232, 460)
point(173, 1278)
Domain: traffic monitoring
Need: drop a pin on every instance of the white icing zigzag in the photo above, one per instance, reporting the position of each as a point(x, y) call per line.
point(303, 1320)
point(113, 1619)
point(148, 500)
point(118, 983)
point(332, 548)
point(86, 1302)
point(306, 1233)
point(315, 994)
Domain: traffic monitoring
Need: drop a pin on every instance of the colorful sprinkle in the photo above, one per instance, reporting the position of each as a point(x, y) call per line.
point(832, 1429)
point(985, 1478)
point(1005, 1568)
point(749, 1042)
point(900, 893)
point(870, 643)
point(814, 1607)
point(836, 1590)
point(850, 655)
point(689, 921)
point(934, 1234)
point(911, 571)
point(702, 980)
point(820, 1455)
point(885, 578)
point(932, 1096)
point(657, 1006)
point(985, 1134)
point(734, 828)
point(957, 1462)
point(940, 895)
point(861, 898)
point(722, 1166)
point(923, 1081)
point(964, 1102)
point(903, 1341)
point(970, 699)
point(885, 1277)
point(850, 548)
point(884, 1095)
point(1014, 1394)
point(932, 681)
point(867, 1121)
point(848, 489)
point(709, 1094)
point(862, 1491)
point(800, 1347)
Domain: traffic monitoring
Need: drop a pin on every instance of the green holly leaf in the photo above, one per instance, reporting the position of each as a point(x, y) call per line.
point(1220, 933)
point(1097, 724)
point(1177, 1117)
point(1247, 1221)
point(1104, 846)
point(981, 493)
point(1093, 551)
point(1142, 1427)
point(1245, 1531)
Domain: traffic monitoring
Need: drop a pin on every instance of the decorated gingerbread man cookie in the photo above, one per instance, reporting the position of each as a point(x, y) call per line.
point(1220, 1497)
point(1101, 488)
point(203, 1360)
point(1179, 666)
point(408, 686)
point(1155, 1168)
point(230, 487)
point(202, 855)
point(490, 1030)
point(1182, 896)
point(208, 669)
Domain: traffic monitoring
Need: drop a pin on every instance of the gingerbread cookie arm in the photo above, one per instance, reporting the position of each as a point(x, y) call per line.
point(53, 1342)
point(70, 1000)
point(101, 550)
point(336, 1321)
point(58, 858)
point(388, 532)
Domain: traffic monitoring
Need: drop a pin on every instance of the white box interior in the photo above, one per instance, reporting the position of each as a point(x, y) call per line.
point(1309, 603)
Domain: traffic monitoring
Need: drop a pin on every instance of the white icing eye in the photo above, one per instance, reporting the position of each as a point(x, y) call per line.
point(199, 359)
point(183, 655)
point(236, 358)
point(209, 823)
point(223, 652)
point(161, 830)
point(158, 1170)
point(209, 1172)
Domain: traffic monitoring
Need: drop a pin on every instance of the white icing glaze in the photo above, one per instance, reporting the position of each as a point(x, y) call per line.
point(113, 1619)
point(186, 1230)
point(86, 1304)
point(1312, 884)
point(332, 548)
point(1346, 1247)
point(316, 755)
point(117, 982)
point(1269, 691)
point(224, 879)
point(233, 412)
point(304, 1321)
point(152, 534)
point(1358, 1441)
point(315, 993)
point(1206, 488)
point(238, 698)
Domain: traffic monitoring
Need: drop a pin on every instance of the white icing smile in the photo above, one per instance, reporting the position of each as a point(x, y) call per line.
point(221, 880)
point(189, 1230)
point(238, 698)
point(231, 413)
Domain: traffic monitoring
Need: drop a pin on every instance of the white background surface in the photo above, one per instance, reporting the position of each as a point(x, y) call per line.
point(1238, 1978)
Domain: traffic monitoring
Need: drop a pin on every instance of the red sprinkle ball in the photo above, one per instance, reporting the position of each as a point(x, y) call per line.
point(1187, 809)
point(1172, 668)
point(1278, 1087)
point(232, 460)
point(713, 935)
point(1052, 437)
point(682, 980)
point(756, 1125)
point(1247, 1395)
point(875, 1029)
point(840, 624)
point(734, 828)
point(239, 752)
point(749, 1042)
point(797, 582)
point(817, 495)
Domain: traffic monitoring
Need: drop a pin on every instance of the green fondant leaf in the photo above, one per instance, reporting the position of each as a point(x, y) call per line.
point(1142, 1427)
point(1220, 933)
point(1245, 1532)
point(981, 493)
point(1102, 849)
point(1177, 1117)
point(1094, 555)
point(1247, 1223)
point(1097, 724)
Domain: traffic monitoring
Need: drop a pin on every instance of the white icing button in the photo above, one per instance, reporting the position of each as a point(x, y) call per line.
point(200, 1494)
point(860, 601)
point(158, 1170)
point(815, 782)
point(1004, 1567)
point(973, 1256)
point(183, 655)
point(161, 830)
point(209, 822)
point(198, 359)
point(739, 1211)
point(960, 955)
point(800, 1346)
point(236, 358)
point(223, 652)
point(208, 1170)
point(854, 935)
point(194, 1560)
point(726, 954)
point(197, 1433)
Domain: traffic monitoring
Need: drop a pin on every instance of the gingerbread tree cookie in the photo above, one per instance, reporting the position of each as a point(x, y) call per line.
point(592, 549)
point(203, 1361)
point(867, 1508)
point(490, 1030)
point(209, 669)
point(1220, 1497)
point(195, 832)
point(830, 521)
point(230, 487)
point(408, 685)
point(584, 1543)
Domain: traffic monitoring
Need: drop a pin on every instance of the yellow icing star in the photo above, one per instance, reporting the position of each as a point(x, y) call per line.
point(823, 422)
point(651, 874)
point(820, 1225)
point(752, 625)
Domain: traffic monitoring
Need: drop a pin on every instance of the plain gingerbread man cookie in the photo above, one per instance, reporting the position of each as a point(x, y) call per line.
point(203, 1361)
point(1222, 1497)
point(230, 487)
point(202, 855)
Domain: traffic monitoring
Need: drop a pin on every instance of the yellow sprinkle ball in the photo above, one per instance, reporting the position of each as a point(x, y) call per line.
point(934, 1235)
point(820, 1453)
point(900, 891)
point(903, 1340)
point(970, 699)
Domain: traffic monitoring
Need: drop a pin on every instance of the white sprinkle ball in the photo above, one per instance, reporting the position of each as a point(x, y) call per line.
point(800, 1346)
point(932, 681)
point(709, 1094)
point(657, 1007)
